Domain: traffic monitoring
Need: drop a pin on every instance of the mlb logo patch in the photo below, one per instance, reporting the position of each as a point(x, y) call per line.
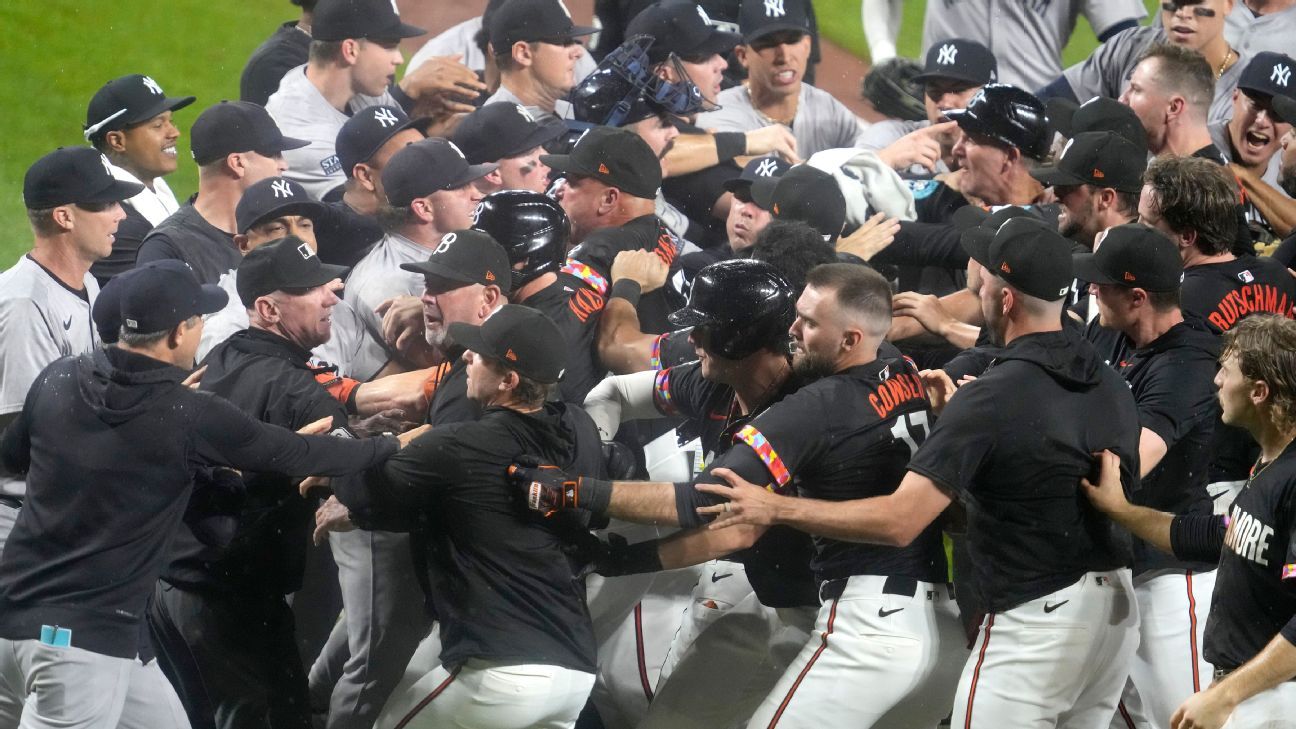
point(1245, 276)
point(331, 165)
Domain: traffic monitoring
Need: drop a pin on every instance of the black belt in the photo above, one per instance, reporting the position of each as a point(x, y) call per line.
point(904, 586)
point(13, 502)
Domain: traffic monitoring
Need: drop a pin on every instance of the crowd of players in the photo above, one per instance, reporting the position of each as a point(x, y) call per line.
point(718, 405)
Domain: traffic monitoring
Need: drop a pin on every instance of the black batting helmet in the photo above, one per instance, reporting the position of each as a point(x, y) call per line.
point(1009, 116)
point(745, 306)
point(532, 228)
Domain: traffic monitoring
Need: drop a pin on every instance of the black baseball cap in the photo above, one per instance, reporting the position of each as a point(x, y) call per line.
point(1033, 257)
point(616, 157)
point(758, 178)
point(759, 18)
point(1268, 73)
point(1133, 255)
point(125, 101)
point(336, 20)
point(499, 131)
point(524, 339)
point(74, 175)
point(274, 197)
point(107, 306)
point(158, 298)
point(237, 126)
point(979, 226)
point(367, 131)
point(533, 20)
point(427, 166)
point(281, 265)
point(682, 28)
point(466, 257)
point(1284, 107)
point(1008, 115)
point(1099, 114)
point(1101, 159)
point(812, 196)
point(959, 59)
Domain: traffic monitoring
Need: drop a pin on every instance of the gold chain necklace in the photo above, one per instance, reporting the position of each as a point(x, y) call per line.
point(1224, 64)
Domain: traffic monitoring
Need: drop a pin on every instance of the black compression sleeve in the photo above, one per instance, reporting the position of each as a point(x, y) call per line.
point(1197, 537)
point(730, 145)
point(627, 289)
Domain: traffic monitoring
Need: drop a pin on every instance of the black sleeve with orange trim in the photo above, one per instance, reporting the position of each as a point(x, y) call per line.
point(342, 389)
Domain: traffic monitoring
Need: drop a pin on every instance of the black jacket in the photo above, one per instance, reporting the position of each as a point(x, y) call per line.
point(110, 442)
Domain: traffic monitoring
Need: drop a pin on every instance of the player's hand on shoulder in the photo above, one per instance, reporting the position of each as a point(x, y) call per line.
point(940, 388)
point(869, 239)
point(643, 267)
point(1104, 488)
point(745, 502)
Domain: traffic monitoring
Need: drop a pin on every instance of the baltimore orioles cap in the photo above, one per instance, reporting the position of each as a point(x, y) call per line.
point(1133, 255)
point(616, 157)
point(462, 258)
point(523, 339)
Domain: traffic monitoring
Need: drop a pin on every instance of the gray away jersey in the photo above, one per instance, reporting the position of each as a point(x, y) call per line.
point(376, 278)
point(1249, 33)
point(1107, 70)
point(301, 111)
point(821, 122)
point(41, 320)
point(1026, 37)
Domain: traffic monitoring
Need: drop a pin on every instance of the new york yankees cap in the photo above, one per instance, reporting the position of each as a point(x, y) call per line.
point(521, 338)
point(336, 20)
point(274, 197)
point(499, 131)
point(427, 166)
point(237, 126)
point(157, 298)
point(282, 265)
point(71, 175)
point(367, 131)
point(759, 18)
point(757, 180)
point(616, 157)
point(1268, 73)
point(1031, 255)
point(1101, 159)
point(812, 196)
point(126, 101)
point(465, 257)
point(682, 28)
point(959, 59)
point(1133, 255)
point(533, 20)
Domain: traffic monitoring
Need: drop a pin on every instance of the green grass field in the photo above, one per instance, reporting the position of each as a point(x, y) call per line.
point(58, 53)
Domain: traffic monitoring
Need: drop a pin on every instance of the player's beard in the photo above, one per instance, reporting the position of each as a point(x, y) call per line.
point(812, 365)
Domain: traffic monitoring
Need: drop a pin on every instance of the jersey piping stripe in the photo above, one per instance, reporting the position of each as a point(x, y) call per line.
point(1192, 631)
point(1129, 720)
point(976, 672)
point(766, 452)
point(823, 645)
point(426, 700)
point(639, 652)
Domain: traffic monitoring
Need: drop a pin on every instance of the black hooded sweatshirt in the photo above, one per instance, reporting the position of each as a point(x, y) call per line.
point(110, 442)
point(1013, 445)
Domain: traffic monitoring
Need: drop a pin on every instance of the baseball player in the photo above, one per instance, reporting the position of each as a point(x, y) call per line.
point(71, 639)
point(355, 48)
point(1218, 286)
point(1196, 25)
point(1251, 632)
point(775, 51)
point(236, 144)
point(881, 20)
point(538, 73)
point(287, 48)
point(517, 644)
point(512, 138)
point(1027, 38)
point(1169, 363)
point(130, 121)
point(1051, 573)
point(72, 201)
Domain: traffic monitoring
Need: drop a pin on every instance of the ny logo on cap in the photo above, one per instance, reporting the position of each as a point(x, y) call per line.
point(457, 151)
point(1281, 74)
point(525, 114)
point(152, 85)
point(280, 188)
point(305, 251)
point(444, 245)
point(774, 9)
point(765, 168)
point(947, 54)
point(107, 166)
point(385, 118)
